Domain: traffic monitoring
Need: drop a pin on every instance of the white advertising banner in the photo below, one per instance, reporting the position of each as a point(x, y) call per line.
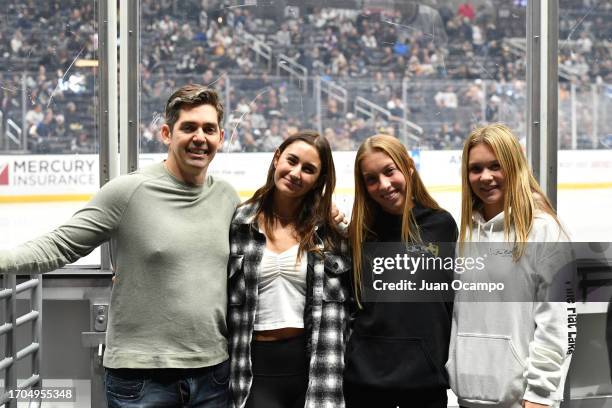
point(78, 175)
point(49, 174)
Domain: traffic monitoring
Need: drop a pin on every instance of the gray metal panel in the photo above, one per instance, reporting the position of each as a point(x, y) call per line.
point(552, 102)
point(103, 123)
point(533, 85)
point(542, 92)
point(62, 324)
point(104, 113)
point(133, 84)
point(129, 84)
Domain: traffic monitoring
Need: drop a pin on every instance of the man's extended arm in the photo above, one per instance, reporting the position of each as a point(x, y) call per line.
point(81, 234)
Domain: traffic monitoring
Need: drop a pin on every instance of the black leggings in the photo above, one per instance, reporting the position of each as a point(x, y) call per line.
point(360, 396)
point(280, 373)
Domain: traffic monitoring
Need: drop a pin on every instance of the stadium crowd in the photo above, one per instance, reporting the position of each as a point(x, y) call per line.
point(462, 64)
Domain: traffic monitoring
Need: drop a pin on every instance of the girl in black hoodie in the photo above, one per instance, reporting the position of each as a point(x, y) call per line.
point(397, 351)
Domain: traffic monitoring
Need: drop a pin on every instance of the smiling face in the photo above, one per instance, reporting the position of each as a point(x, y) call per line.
point(297, 169)
point(384, 181)
point(487, 179)
point(192, 143)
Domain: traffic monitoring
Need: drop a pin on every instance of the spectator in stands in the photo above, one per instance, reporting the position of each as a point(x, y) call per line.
point(249, 139)
point(244, 60)
point(388, 58)
point(166, 26)
point(34, 116)
point(186, 33)
point(339, 65)
point(17, 43)
point(466, 10)
point(478, 38)
point(357, 66)
point(332, 111)
point(45, 128)
point(492, 109)
point(82, 144)
point(233, 144)
point(415, 53)
point(186, 65)
point(474, 94)
point(271, 103)
point(443, 138)
point(272, 137)
point(395, 105)
point(257, 117)
point(60, 127)
point(447, 98)
point(283, 36)
point(330, 40)
point(38, 135)
point(458, 134)
point(359, 130)
point(368, 40)
point(72, 117)
point(49, 58)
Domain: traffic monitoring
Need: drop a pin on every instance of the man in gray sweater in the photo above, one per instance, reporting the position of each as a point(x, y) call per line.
point(168, 226)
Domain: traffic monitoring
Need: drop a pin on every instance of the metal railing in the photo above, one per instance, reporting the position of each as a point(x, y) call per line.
point(518, 46)
point(9, 294)
point(335, 91)
point(260, 48)
point(370, 109)
point(14, 132)
point(294, 70)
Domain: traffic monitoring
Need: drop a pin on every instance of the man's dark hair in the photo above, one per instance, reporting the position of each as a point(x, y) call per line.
point(190, 96)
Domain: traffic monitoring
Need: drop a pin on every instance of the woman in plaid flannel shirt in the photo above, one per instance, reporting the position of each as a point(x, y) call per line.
point(287, 319)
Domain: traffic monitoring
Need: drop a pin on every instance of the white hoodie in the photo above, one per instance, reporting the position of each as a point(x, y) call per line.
point(504, 352)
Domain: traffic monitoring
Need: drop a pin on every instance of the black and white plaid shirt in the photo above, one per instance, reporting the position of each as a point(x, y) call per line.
point(325, 317)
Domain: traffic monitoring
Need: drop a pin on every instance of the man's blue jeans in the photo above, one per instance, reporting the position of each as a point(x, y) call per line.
point(157, 388)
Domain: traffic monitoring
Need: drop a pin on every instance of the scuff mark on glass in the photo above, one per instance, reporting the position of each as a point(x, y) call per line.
point(64, 77)
point(484, 70)
point(157, 119)
point(580, 22)
point(408, 27)
point(216, 80)
point(240, 5)
point(13, 90)
point(244, 115)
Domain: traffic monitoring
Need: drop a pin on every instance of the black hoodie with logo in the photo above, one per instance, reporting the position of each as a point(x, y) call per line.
point(403, 346)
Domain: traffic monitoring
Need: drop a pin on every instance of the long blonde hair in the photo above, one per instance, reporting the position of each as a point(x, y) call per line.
point(365, 208)
point(523, 194)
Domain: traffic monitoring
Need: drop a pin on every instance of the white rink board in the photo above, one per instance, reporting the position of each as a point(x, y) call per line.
point(78, 174)
point(585, 211)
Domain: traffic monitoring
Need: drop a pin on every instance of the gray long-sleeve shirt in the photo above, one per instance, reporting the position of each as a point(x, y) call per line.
point(170, 246)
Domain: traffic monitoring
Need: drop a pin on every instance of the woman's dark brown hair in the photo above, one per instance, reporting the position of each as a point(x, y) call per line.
point(316, 203)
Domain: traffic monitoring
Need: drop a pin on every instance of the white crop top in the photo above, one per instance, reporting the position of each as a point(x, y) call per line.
point(282, 290)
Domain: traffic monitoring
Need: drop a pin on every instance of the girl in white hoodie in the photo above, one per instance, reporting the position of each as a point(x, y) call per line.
point(508, 354)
